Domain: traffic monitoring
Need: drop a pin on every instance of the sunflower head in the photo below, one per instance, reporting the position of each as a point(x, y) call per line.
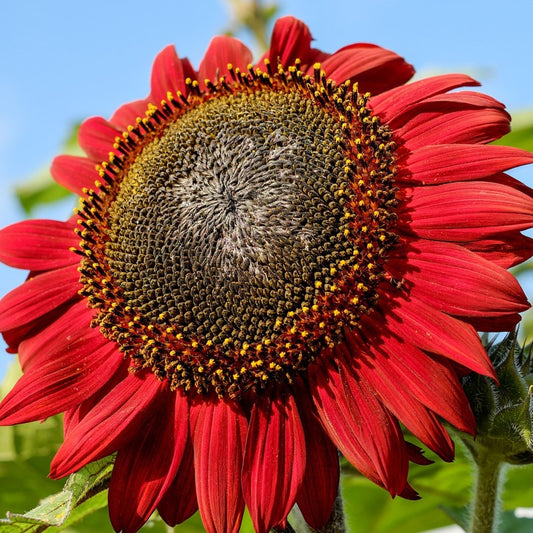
point(234, 233)
point(272, 262)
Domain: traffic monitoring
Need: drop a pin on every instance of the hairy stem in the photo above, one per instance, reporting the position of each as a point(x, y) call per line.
point(486, 495)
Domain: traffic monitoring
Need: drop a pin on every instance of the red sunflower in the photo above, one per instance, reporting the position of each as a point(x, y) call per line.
point(270, 263)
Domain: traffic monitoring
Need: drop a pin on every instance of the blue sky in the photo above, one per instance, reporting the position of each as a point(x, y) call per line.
point(62, 61)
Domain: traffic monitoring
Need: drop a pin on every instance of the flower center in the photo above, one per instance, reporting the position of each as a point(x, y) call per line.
point(240, 230)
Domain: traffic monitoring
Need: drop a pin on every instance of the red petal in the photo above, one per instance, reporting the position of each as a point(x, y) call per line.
point(321, 481)
point(454, 280)
point(274, 461)
point(75, 371)
point(140, 476)
point(416, 455)
point(394, 102)
point(465, 211)
point(442, 393)
point(505, 250)
point(169, 74)
point(291, 40)
point(179, 503)
point(396, 393)
point(97, 137)
point(363, 430)
point(127, 114)
point(37, 296)
point(421, 325)
point(72, 417)
point(74, 173)
point(114, 422)
point(38, 347)
point(375, 69)
point(219, 433)
point(38, 244)
point(458, 162)
point(463, 117)
point(221, 52)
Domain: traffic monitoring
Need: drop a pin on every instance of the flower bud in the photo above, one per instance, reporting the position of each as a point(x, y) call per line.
point(503, 411)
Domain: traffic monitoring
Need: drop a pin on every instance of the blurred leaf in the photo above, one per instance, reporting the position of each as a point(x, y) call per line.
point(41, 188)
point(253, 16)
point(370, 509)
point(458, 514)
point(521, 135)
point(508, 522)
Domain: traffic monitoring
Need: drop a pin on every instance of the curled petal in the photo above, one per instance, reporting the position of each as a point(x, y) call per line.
point(127, 114)
point(140, 476)
point(179, 502)
point(321, 481)
point(274, 461)
point(395, 102)
point(375, 69)
point(224, 51)
point(291, 40)
point(219, 434)
point(169, 74)
point(464, 117)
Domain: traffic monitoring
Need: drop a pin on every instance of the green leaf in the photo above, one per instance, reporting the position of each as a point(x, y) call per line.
point(57, 510)
point(41, 188)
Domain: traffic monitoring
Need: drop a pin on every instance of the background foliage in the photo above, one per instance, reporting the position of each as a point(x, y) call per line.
point(79, 504)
